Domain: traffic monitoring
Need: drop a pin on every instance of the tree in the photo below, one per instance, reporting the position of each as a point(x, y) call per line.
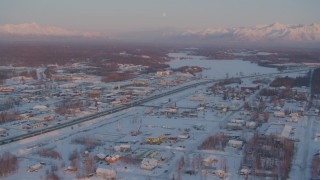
point(286, 111)
point(8, 164)
point(246, 106)
point(261, 106)
point(266, 116)
point(51, 175)
point(3, 117)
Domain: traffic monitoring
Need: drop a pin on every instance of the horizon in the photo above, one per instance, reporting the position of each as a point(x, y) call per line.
point(112, 18)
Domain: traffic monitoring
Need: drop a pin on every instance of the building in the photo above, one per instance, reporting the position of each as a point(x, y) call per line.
point(198, 98)
point(39, 107)
point(68, 86)
point(2, 131)
point(35, 167)
point(279, 114)
point(149, 164)
point(94, 95)
point(250, 88)
point(251, 125)
point(210, 160)
point(164, 73)
point(234, 126)
point(286, 131)
point(245, 171)
point(116, 103)
point(238, 121)
point(235, 143)
point(125, 147)
point(101, 156)
point(220, 173)
point(106, 173)
point(112, 159)
point(122, 147)
point(169, 111)
point(43, 118)
point(7, 89)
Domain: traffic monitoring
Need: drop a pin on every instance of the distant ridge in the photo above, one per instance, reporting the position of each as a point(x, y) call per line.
point(274, 32)
point(34, 30)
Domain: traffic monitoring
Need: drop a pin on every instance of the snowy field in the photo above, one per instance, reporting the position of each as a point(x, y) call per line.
point(170, 132)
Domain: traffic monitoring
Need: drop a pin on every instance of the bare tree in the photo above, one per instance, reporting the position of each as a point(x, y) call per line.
point(8, 164)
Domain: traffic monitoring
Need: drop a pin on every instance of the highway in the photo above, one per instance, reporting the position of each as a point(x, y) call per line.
point(117, 109)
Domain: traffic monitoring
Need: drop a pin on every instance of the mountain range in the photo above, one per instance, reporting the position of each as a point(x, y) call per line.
point(276, 33)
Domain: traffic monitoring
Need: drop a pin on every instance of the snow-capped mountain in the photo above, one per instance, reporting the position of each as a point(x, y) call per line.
point(262, 35)
point(274, 32)
point(37, 31)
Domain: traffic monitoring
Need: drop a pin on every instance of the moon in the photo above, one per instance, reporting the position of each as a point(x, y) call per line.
point(164, 14)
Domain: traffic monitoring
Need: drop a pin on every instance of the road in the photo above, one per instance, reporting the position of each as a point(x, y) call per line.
point(306, 142)
point(119, 108)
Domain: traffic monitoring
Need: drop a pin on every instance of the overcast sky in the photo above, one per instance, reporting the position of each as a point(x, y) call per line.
point(109, 16)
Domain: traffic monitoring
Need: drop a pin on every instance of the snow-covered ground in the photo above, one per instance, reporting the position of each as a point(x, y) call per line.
point(178, 124)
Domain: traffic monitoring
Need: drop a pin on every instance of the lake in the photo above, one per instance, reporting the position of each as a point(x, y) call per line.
point(218, 68)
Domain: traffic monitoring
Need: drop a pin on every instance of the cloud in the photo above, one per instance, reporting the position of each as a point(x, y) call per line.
point(35, 29)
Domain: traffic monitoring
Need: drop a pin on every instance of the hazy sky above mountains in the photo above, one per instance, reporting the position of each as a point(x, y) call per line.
point(110, 16)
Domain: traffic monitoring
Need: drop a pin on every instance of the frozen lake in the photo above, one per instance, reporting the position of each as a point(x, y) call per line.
point(218, 68)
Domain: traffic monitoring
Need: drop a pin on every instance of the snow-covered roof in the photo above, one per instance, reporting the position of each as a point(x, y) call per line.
point(148, 163)
point(39, 107)
point(286, 131)
point(106, 173)
point(235, 142)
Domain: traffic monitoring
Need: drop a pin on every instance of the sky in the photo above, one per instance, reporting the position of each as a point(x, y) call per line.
point(113, 16)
